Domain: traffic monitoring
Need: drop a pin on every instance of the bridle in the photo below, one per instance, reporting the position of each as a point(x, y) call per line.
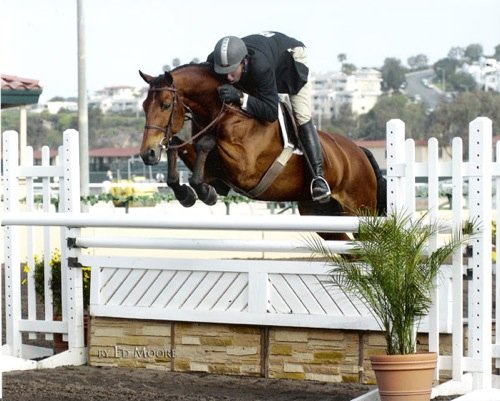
point(165, 142)
point(168, 129)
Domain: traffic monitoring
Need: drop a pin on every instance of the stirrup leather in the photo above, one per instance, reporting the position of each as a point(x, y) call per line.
point(323, 196)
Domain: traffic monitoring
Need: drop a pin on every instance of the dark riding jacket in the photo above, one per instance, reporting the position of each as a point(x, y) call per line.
point(270, 70)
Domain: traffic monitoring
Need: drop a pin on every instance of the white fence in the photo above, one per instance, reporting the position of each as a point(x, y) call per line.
point(276, 292)
point(28, 321)
point(471, 360)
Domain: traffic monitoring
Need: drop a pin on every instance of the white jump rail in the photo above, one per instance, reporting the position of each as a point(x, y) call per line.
point(239, 223)
point(219, 223)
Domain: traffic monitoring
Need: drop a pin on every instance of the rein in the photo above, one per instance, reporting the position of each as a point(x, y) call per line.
point(203, 131)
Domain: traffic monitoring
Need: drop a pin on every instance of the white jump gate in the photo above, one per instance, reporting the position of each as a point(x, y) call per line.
point(270, 292)
point(471, 367)
point(18, 183)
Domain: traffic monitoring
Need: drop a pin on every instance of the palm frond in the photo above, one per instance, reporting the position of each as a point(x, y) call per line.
point(390, 272)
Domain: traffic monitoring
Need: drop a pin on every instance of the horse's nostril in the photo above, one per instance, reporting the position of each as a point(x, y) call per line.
point(149, 157)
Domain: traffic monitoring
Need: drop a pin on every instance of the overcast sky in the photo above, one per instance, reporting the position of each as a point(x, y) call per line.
point(39, 37)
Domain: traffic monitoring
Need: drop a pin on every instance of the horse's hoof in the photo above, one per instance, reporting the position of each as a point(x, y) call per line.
point(211, 196)
point(206, 193)
point(187, 196)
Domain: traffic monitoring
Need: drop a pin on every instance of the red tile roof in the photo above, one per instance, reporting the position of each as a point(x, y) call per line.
point(379, 143)
point(12, 82)
point(100, 152)
point(114, 152)
point(37, 153)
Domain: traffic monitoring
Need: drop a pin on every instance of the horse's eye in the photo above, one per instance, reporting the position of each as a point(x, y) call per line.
point(165, 106)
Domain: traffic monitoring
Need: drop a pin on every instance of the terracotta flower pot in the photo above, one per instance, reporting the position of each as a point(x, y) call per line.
point(404, 377)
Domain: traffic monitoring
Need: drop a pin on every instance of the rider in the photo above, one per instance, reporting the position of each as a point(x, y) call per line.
point(261, 66)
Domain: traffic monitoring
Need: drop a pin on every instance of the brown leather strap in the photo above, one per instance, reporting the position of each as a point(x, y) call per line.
point(272, 173)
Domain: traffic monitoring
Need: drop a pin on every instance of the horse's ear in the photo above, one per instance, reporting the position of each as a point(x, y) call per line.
point(169, 78)
point(146, 77)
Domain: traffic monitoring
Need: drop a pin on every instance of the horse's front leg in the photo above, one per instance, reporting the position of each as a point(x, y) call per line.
point(183, 193)
point(206, 193)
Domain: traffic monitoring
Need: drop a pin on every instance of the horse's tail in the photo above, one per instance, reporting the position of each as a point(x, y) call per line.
point(381, 184)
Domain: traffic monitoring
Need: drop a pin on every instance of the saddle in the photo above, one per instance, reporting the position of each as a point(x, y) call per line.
point(288, 127)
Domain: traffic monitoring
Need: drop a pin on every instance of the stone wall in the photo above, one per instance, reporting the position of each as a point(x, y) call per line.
point(274, 352)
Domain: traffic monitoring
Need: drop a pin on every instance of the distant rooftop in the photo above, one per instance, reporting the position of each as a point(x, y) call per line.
point(18, 91)
point(114, 152)
point(98, 152)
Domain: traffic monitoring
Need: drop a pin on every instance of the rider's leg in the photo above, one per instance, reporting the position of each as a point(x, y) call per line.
point(301, 105)
point(320, 191)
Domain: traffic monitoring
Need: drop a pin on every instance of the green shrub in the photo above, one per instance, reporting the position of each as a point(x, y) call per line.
point(55, 282)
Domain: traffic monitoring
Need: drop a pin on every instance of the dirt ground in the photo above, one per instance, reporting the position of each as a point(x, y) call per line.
point(119, 384)
point(90, 383)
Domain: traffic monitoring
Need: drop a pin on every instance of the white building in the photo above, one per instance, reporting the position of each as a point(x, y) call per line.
point(334, 89)
point(54, 107)
point(116, 99)
point(486, 72)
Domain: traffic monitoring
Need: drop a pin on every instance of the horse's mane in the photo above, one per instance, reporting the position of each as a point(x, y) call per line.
point(203, 65)
point(204, 68)
point(165, 79)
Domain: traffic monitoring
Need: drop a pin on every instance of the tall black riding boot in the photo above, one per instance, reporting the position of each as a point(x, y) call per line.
point(320, 191)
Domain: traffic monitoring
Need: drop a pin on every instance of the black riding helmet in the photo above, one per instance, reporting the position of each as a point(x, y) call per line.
point(228, 54)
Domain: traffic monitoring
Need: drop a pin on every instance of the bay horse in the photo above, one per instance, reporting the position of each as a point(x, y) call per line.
point(231, 147)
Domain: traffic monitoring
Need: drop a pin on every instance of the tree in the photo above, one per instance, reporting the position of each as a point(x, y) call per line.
point(393, 74)
point(445, 69)
point(345, 122)
point(496, 56)
point(57, 99)
point(176, 62)
point(373, 124)
point(420, 61)
point(462, 82)
point(448, 65)
point(451, 119)
point(348, 68)
point(95, 117)
point(10, 119)
point(456, 53)
point(474, 51)
point(341, 57)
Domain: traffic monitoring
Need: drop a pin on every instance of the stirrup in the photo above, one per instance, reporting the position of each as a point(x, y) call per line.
point(325, 196)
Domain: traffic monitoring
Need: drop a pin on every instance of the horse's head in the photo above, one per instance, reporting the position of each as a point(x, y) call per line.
point(164, 116)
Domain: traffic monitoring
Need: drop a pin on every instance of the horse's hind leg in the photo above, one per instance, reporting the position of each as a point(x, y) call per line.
point(206, 193)
point(183, 193)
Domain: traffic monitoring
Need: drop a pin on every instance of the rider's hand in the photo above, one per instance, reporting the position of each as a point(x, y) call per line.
point(229, 94)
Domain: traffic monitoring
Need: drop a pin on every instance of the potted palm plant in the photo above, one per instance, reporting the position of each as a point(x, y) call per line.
point(393, 275)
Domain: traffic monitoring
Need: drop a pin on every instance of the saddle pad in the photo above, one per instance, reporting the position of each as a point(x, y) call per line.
point(288, 127)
